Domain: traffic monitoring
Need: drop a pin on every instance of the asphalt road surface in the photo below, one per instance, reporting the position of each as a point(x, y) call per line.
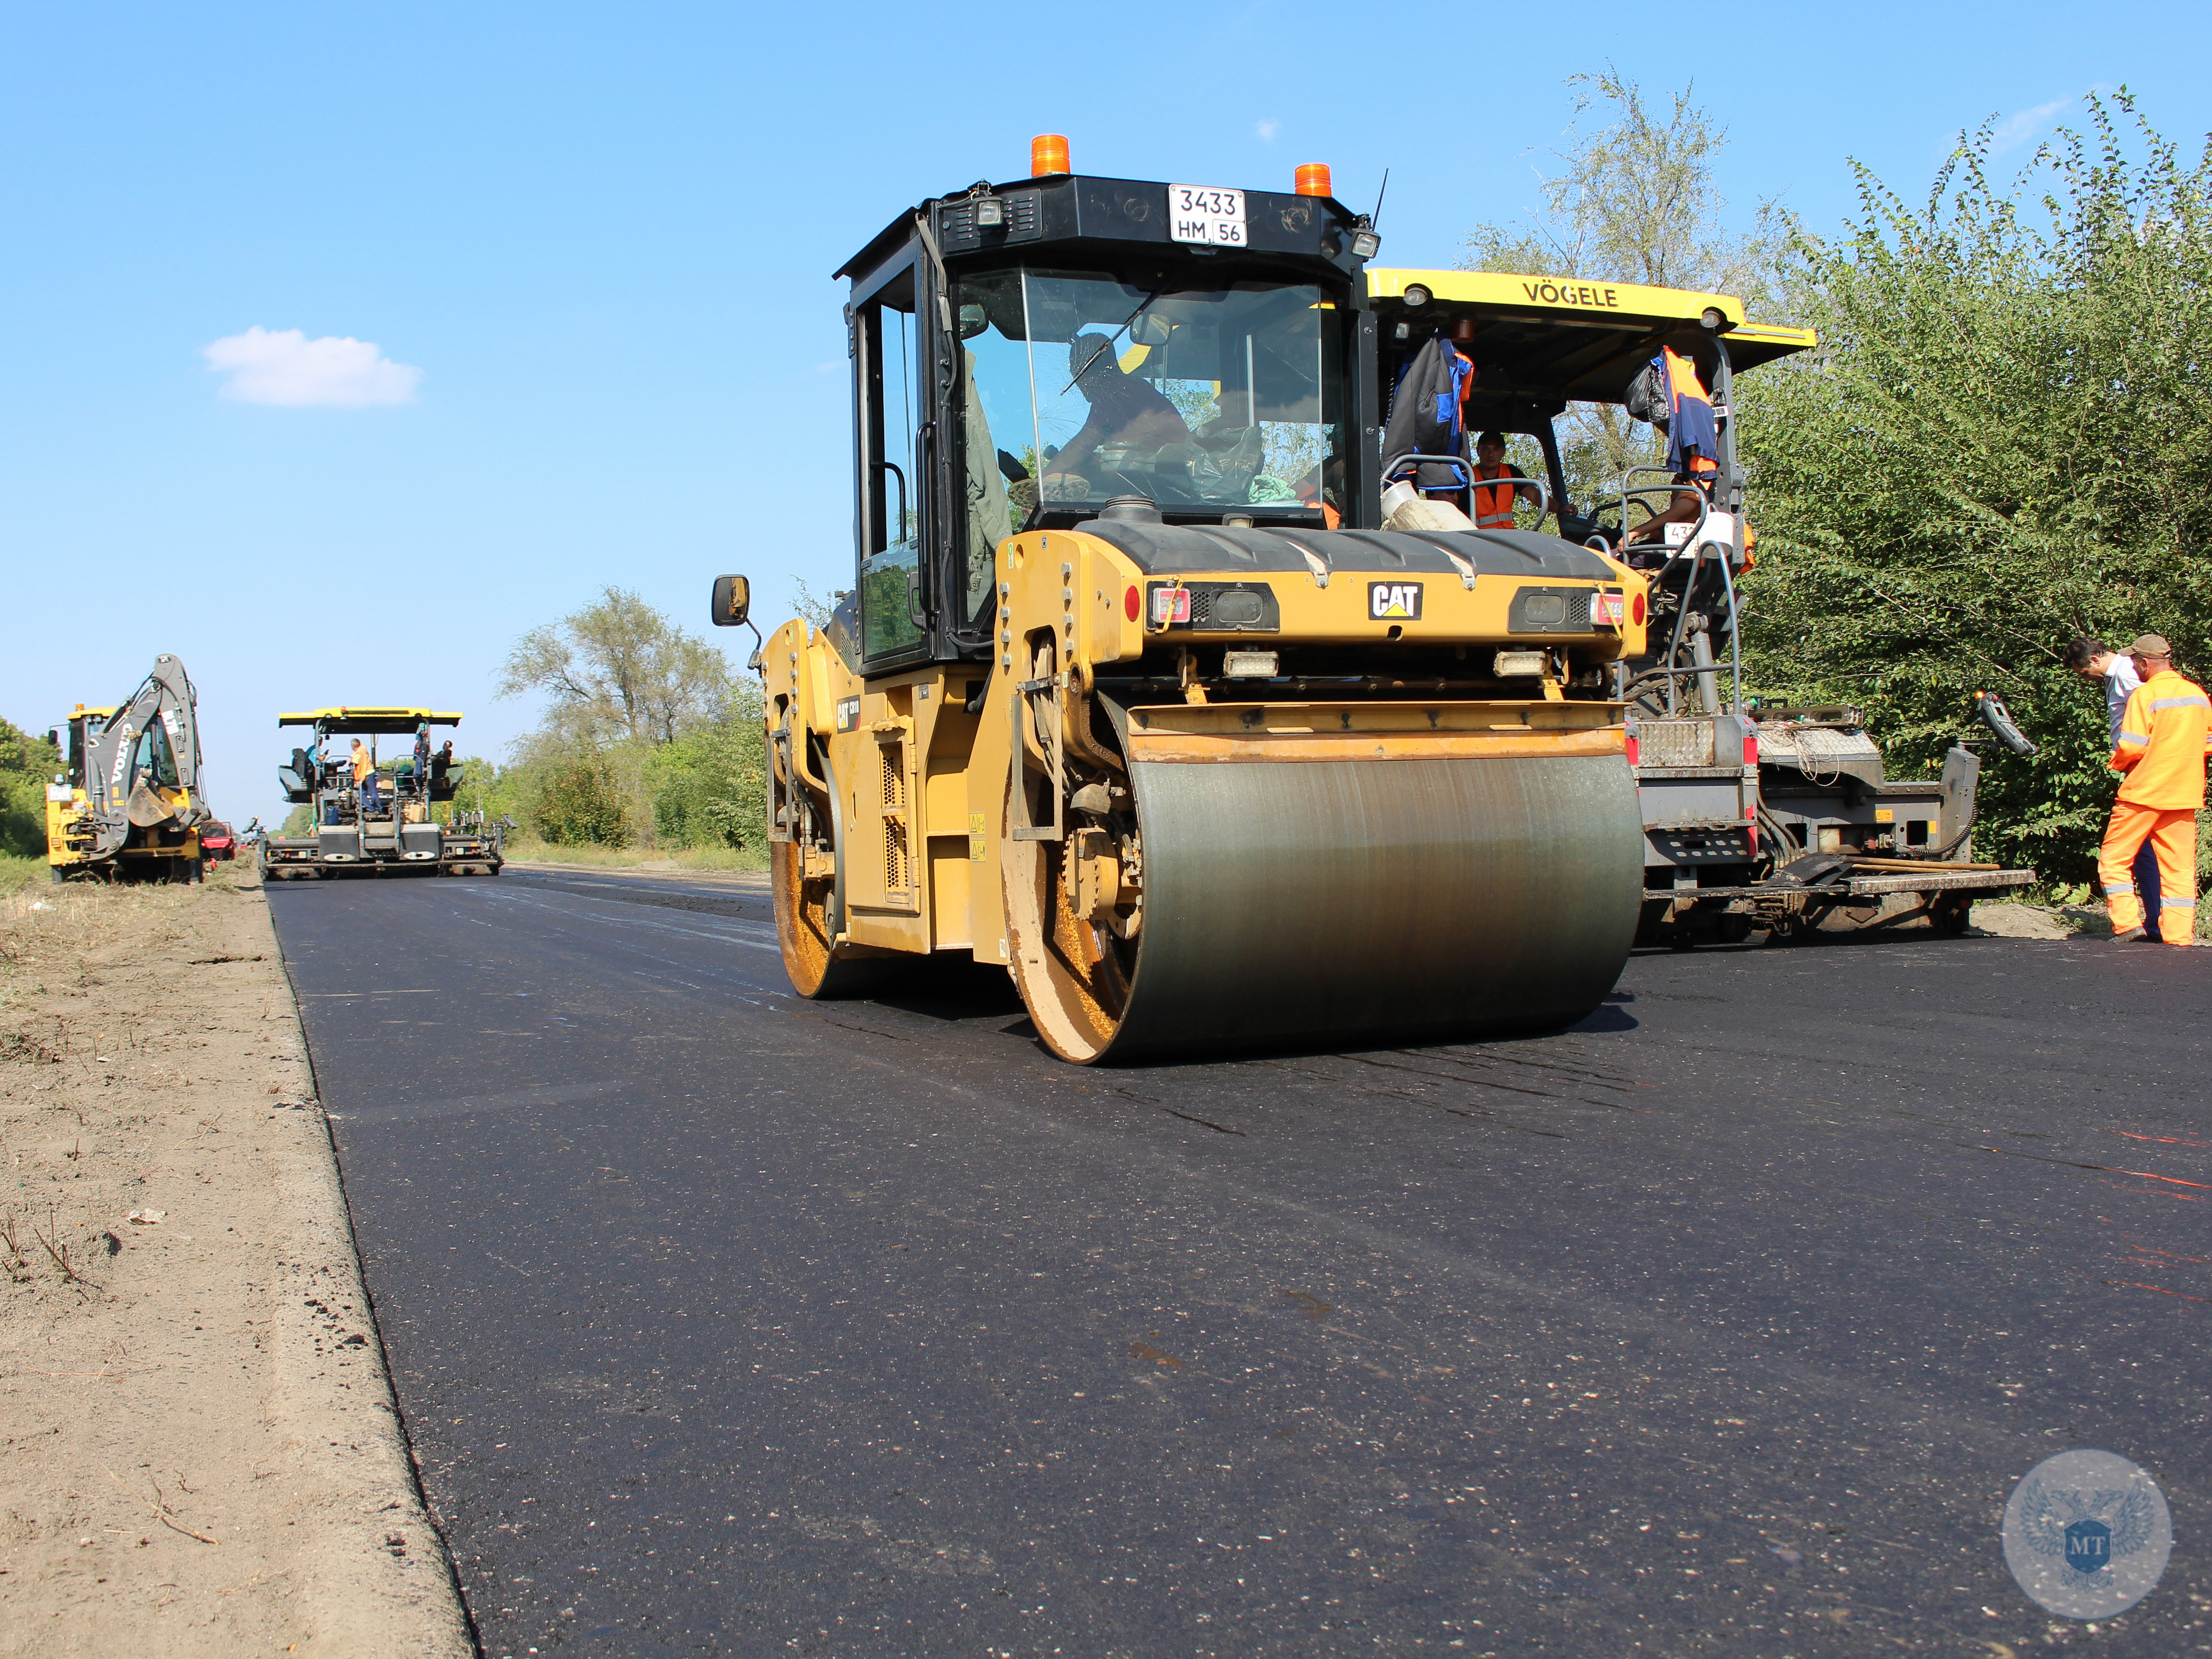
point(724, 1323)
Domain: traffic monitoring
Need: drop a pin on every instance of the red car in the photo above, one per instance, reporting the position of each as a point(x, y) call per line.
point(217, 844)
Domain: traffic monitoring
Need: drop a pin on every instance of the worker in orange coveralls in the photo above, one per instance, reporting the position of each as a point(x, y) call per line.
point(2164, 735)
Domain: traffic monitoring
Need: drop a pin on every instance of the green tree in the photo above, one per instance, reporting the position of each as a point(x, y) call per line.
point(619, 669)
point(26, 765)
point(648, 737)
point(711, 787)
point(1634, 196)
point(578, 806)
point(2004, 441)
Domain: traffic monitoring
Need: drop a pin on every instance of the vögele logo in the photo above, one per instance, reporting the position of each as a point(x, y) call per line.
point(2087, 1534)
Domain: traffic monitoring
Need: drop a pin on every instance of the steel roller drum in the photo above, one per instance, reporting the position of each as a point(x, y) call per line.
point(1379, 901)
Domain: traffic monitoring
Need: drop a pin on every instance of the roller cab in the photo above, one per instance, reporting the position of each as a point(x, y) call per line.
point(1132, 695)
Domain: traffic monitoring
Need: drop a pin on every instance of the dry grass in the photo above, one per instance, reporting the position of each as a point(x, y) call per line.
point(18, 873)
point(531, 850)
point(68, 1038)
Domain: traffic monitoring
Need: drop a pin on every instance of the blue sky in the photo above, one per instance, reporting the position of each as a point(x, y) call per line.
point(601, 239)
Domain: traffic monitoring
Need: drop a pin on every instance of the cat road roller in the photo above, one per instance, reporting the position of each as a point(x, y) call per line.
point(1134, 694)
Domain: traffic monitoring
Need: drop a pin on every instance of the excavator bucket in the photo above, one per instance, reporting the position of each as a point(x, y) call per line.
point(150, 806)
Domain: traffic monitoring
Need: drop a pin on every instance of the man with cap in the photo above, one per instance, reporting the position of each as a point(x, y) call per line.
point(2163, 736)
point(2092, 659)
point(1493, 503)
point(1125, 409)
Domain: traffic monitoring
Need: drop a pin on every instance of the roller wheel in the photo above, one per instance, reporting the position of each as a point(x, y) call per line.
point(1073, 972)
point(817, 967)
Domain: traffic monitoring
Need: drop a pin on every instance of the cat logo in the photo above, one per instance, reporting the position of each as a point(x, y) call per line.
point(849, 714)
point(1394, 601)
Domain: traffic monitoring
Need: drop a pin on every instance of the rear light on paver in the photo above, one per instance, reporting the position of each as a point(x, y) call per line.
point(1751, 748)
point(1630, 742)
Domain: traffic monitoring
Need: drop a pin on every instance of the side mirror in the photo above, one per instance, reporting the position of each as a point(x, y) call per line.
point(733, 598)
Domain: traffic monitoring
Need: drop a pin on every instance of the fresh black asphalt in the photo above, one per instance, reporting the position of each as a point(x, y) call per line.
point(724, 1323)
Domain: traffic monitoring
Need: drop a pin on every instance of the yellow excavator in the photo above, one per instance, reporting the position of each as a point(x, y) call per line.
point(130, 806)
point(1136, 694)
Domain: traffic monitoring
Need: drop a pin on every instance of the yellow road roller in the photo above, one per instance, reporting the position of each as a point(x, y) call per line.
point(1161, 683)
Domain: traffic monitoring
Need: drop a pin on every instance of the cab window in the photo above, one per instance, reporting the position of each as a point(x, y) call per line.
point(892, 480)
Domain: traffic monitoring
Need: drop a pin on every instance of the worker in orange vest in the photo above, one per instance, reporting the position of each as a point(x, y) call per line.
point(2164, 735)
point(1493, 504)
point(365, 779)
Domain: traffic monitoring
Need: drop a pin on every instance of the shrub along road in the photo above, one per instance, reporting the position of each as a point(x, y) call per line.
point(723, 1322)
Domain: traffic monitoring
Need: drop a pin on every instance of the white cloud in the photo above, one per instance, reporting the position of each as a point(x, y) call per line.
point(1268, 129)
point(2016, 129)
point(284, 367)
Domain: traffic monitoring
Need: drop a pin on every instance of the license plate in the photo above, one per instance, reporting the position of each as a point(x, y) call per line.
point(1201, 214)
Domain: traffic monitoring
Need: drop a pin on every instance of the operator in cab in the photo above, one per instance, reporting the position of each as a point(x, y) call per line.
point(1493, 503)
point(1125, 409)
point(1669, 395)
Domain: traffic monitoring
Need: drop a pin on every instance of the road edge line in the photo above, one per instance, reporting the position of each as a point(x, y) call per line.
point(390, 1475)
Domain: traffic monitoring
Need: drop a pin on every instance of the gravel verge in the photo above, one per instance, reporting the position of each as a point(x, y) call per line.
point(200, 1453)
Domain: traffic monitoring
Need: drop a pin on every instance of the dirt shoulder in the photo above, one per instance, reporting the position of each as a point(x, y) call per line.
point(199, 1452)
point(2014, 919)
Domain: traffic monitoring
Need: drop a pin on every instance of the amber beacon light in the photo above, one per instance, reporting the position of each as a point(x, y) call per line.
point(1048, 154)
point(1313, 179)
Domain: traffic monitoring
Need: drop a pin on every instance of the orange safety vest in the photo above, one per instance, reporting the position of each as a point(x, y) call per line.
point(362, 765)
point(1493, 507)
point(2164, 735)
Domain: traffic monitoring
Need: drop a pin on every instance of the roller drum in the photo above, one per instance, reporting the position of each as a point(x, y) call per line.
point(1377, 902)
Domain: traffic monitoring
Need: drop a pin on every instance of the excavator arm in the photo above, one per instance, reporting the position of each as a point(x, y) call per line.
point(142, 767)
